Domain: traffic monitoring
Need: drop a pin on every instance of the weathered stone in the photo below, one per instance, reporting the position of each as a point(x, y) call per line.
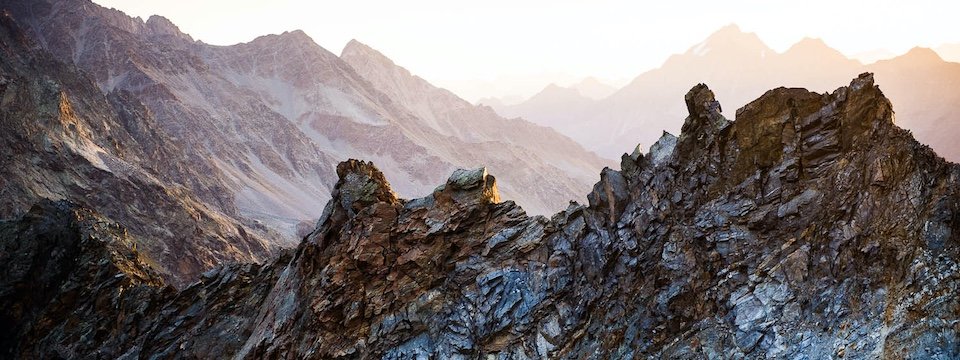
point(470, 187)
point(731, 247)
point(610, 194)
point(661, 150)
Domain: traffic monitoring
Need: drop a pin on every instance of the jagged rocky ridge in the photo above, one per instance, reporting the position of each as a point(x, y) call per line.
point(810, 227)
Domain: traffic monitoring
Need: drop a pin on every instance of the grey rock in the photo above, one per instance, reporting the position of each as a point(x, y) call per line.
point(641, 272)
point(662, 150)
point(462, 179)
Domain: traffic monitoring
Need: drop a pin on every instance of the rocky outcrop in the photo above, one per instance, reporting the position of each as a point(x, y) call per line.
point(809, 227)
point(61, 262)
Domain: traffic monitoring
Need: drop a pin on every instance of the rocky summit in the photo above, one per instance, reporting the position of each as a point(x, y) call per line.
point(810, 227)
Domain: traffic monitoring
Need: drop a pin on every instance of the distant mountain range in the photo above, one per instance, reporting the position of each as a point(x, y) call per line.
point(923, 87)
point(589, 87)
point(249, 134)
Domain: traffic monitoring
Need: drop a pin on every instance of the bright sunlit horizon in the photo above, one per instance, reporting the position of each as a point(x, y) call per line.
point(509, 49)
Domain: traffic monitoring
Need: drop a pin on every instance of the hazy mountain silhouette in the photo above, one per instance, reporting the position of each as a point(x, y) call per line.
point(593, 88)
point(590, 88)
point(923, 87)
point(925, 91)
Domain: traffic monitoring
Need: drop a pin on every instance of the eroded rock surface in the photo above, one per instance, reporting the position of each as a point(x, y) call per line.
point(810, 227)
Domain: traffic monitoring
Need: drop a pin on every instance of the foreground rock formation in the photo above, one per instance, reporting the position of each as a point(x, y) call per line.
point(811, 227)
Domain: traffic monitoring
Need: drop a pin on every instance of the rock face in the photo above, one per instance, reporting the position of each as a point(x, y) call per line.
point(810, 227)
point(63, 138)
point(64, 262)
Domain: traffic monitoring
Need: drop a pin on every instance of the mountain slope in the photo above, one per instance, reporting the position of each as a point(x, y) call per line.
point(593, 88)
point(536, 149)
point(65, 139)
point(554, 106)
point(809, 227)
point(268, 120)
point(926, 93)
point(222, 128)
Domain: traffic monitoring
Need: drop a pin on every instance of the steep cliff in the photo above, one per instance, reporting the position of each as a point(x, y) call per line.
point(811, 226)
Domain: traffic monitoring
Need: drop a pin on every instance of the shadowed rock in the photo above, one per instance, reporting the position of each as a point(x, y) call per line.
point(810, 227)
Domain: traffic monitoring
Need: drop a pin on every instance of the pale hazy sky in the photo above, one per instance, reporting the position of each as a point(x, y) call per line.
point(458, 44)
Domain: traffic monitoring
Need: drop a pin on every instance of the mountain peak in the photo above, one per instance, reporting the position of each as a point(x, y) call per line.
point(729, 39)
point(355, 45)
point(922, 55)
point(731, 32)
point(554, 92)
point(594, 88)
point(470, 187)
point(731, 28)
point(701, 101)
point(590, 80)
point(358, 50)
point(814, 48)
point(554, 87)
point(297, 35)
point(160, 26)
point(360, 186)
point(294, 38)
point(809, 42)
